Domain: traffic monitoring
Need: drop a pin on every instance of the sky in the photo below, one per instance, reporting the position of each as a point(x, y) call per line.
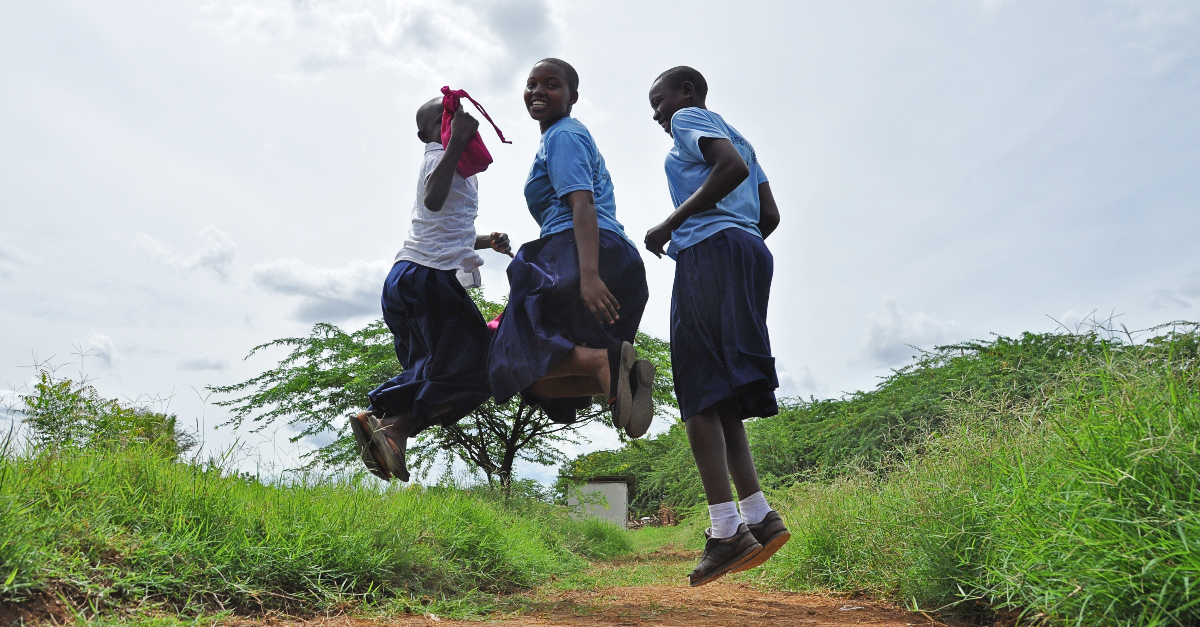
point(182, 181)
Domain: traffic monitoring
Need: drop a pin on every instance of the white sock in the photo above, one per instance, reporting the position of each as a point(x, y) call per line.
point(754, 508)
point(725, 519)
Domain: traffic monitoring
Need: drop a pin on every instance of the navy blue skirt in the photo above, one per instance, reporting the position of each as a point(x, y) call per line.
point(546, 318)
point(719, 344)
point(442, 342)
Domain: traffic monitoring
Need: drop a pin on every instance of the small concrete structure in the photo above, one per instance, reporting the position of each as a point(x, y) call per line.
point(606, 498)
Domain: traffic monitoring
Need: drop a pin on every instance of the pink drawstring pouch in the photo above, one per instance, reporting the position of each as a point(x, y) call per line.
point(494, 324)
point(475, 158)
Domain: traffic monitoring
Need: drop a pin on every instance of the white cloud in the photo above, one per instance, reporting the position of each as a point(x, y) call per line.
point(892, 333)
point(102, 348)
point(218, 254)
point(327, 295)
point(799, 382)
point(203, 363)
point(423, 38)
point(1177, 298)
point(10, 258)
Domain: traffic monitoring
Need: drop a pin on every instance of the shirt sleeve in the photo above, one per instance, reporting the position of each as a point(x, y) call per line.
point(432, 159)
point(762, 176)
point(568, 163)
point(688, 127)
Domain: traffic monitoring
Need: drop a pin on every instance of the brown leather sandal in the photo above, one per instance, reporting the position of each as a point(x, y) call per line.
point(367, 449)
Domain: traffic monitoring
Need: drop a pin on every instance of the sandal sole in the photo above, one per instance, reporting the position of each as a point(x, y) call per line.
point(642, 413)
point(623, 399)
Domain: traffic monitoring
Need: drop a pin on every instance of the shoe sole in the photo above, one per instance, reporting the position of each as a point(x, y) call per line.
point(364, 443)
point(770, 548)
point(395, 465)
point(623, 406)
point(642, 414)
point(729, 567)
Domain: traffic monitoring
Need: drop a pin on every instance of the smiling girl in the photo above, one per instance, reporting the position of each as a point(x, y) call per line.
point(578, 292)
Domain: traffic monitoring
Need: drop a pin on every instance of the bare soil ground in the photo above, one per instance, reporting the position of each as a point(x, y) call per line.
point(720, 603)
point(647, 588)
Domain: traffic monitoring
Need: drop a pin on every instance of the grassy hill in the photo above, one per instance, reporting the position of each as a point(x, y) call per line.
point(1050, 476)
point(134, 527)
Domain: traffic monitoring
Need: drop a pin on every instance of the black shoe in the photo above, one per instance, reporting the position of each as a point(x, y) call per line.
point(722, 556)
point(771, 534)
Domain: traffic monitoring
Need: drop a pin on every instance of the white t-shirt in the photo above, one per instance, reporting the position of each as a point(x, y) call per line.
point(444, 240)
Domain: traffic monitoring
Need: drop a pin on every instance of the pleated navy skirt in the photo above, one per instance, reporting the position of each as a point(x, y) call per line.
point(441, 341)
point(546, 318)
point(719, 343)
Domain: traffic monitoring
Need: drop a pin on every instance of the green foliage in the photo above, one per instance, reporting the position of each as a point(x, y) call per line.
point(324, 380)
point(1077, 505)
point(863, 429)
point(325, 377)
point(134, 527)
point(66, 413)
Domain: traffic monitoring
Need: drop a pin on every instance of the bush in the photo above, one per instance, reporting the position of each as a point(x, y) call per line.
point(66, 413)
point(862, 430)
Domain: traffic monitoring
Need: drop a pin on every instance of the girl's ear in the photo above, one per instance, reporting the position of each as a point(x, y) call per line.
point(688, 89)
point(574, 97)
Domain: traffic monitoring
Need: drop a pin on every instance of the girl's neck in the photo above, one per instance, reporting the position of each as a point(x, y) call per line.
point(546, 124)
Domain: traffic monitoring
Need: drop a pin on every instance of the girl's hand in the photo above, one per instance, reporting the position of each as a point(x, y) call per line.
point(462, 126)
point(658, 237)
point(598, 299)
point(499, 243)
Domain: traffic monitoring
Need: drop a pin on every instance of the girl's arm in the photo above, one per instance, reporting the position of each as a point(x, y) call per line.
point(592, 290)
point(728, 171)
point(462, 128)
point(768, 211)
point(496, 241)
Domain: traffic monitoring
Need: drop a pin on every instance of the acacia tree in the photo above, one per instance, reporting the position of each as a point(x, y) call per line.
point(324, 380)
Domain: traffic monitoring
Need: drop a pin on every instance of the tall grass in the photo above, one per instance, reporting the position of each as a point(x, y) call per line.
point(133, 527)
point(1079, 507)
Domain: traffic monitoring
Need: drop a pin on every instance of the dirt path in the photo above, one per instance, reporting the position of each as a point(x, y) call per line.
point(646, 588)
point(720, 603)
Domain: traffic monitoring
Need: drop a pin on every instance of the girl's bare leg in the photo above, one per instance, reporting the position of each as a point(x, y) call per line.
point(583, 372)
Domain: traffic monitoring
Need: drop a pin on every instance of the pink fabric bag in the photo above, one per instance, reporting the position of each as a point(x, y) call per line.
point(495, 324)
point(475, 158)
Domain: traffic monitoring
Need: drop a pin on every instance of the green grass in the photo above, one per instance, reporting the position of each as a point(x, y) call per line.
point(136, 530)
point(1077, 508)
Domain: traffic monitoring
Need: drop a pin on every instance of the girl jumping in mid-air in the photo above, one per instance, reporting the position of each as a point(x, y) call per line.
point(441, 339)
point(577, 293)
point(720, 351)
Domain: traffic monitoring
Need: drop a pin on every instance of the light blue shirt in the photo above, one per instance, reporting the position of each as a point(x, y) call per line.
point(687, 171)
point(567, 161)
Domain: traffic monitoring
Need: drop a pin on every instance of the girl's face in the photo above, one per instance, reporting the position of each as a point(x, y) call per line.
point(548, 98)
point(666, 101)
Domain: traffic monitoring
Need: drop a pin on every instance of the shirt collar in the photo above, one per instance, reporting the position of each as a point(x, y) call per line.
point(432, 146)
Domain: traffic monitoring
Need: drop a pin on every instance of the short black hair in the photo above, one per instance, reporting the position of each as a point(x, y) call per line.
point(572, 75)
point(675, 77)
point(427, 111)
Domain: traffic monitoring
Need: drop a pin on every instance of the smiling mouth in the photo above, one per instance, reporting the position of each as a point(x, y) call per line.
point(538, 104)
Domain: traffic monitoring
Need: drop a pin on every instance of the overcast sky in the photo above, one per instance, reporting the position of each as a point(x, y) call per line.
point(181, 181)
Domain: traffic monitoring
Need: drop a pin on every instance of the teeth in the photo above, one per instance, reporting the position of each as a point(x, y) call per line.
point(539, 103)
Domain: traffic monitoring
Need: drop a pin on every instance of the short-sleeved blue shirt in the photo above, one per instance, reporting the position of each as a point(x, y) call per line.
point(567, 161)
point(687, 171)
